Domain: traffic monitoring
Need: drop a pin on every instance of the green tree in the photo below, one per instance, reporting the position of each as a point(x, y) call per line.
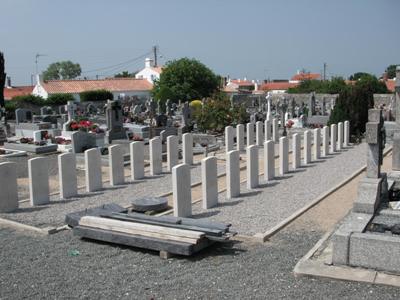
point(185, 79)
point(333, 86)
point(96, 95)
point(391, 71)
point(358, 75)
point(62, 70)
point(124, 74)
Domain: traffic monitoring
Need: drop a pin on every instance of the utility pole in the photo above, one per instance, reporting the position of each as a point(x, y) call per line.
point(324, 71)
point(37, 61)
point(155, 55)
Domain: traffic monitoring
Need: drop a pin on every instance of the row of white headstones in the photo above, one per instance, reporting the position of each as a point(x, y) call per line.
point(181, 180)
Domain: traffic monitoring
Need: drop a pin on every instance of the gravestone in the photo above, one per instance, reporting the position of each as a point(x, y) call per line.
point(23, 115)
point(114, 120)
point(311, 105)
point(70, 108)
point(186, 117)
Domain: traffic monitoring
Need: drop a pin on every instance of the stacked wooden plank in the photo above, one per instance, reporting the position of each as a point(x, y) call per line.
point(182, 236)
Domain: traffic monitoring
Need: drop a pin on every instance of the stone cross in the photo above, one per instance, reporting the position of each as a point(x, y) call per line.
point(70, 108)
point(375, 137)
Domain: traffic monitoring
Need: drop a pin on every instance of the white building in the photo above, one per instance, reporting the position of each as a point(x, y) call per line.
point(150, 72)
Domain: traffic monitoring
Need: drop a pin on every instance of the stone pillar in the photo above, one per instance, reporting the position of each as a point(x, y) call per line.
point(340, 136)
point(317, 143)
point(346, 133)
point(252, 166)
point(283, 155)
point(250, 134)
point(232, 174)
point(209, 182)
point(116, 164)
point(259, 133)
point(267, 129)
point(333, 138)
point(172, 151)
point(229, 138)
point(325, 141)
point(296, 151)
point(137, 160)
point(187, 148)
point(155, 149)
point(240, 137)
point(307, 147)
point(182, 191)
point(269, 160)
point(67, 175)
point(275, 130)
point(93, 170)
point(373, 136)
point(38, 171)
point(8, 187)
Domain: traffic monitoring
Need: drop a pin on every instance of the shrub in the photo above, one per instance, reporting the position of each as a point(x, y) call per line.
point(59, 99)
point(32, 99)
point(96, 95)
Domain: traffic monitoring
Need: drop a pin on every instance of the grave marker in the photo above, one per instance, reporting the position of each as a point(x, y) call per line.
point(8, 187)
point(229, 138)
point(283, 155)
point(93, 170)
point(38, 181)
point(181, 191)
point(269, 160)
point(67, 175)
point(252, 166)
point(155, 149)
point(116, 165)
point(240, 137)
point(232, 174)
point(209, 182)
point(172, 151)
point(187, 148)
point(137, 160)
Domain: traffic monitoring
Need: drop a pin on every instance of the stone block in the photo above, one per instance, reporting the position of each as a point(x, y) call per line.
point(229, 136)
point(250, 134)
point(232, 174)
point(172, 152)
point(368, 199)
point(187, 148)
point(325, 141)
point(340, 136)
point(333, 138)
point(275, 130)
point(67, 175)
point(252, 166)
point(371, 132)
point(116, 165)
point(267, 130)
point(307, 147)
point(346, 138)
point(259, 133)
point(317, 143)
point(93, 170)
point(283, 155)
point(209, 182)
point(240, 137)
point(181, 191)
point(374, 115)
point(38, 181)
point(136, 150)
point(155, 149)
point(269, 160)
point(8, 187)
point(296, 151)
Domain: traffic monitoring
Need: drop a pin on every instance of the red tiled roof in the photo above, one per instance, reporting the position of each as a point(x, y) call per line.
point(242, 82)
point(390, 84)
point(277, 86)
point(306, 76)
point(14, 91)
point(112, 85)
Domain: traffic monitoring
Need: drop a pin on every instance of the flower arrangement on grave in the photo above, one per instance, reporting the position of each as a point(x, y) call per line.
point(62, 141)
point(136, 138)
point(85, 125)
point(289, 124)
point(25, 140)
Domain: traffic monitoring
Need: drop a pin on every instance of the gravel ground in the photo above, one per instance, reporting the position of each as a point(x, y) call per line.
point(260, 209)
point(42, 267)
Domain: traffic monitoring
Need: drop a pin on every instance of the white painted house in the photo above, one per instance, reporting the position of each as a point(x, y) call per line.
point(120, 87)
point(150, 71)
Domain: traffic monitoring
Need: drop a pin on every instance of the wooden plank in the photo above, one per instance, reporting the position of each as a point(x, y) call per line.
point(110, 223)
point(72, 219)
point(204, 223)
point(155, 221)
point(134, 240)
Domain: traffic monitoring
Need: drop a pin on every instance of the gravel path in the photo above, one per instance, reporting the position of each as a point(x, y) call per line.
point(260, 209)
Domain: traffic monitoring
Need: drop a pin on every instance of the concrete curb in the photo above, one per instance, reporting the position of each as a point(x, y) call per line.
point(263, 237)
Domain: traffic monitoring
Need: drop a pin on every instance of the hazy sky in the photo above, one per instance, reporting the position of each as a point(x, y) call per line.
point(253, 39)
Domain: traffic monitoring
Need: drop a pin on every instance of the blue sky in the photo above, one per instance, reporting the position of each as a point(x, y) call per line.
point(253, 38)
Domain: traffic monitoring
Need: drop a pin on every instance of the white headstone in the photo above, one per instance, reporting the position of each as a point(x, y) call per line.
point(187, 148)
point(155, 149)
point(325, 141)
point(93, 170)
point(267, 130)
point(240, 137)
point(307, 147)
point(8, 187)
point(67, 175)
point(283, 155)
point(137, 160)
point(333, 137)
point(269, 160)
point(116, 164)
point(37, 136)
point(346, 141)
point(275, 130)
point(181, 191)
point(317, 143)
point(38, 180)
point(209, 182)
point(340, 136)
point(296, 151)
point(232, 174)
point(259, 133)
point(172, 151)
point(250, 134)
point(252, 166)
point(229, 135)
